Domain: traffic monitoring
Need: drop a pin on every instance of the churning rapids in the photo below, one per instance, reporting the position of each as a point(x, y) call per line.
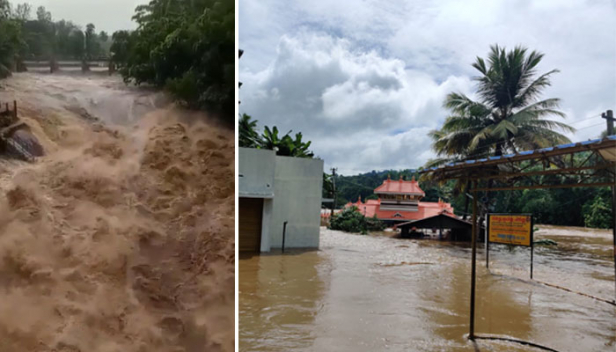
point(376, 293)
point(121, 238)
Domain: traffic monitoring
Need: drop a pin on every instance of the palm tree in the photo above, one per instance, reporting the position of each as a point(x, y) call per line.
point(507, 117)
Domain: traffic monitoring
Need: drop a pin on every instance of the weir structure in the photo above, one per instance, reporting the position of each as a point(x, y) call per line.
point(15, 137)
point(590, 163)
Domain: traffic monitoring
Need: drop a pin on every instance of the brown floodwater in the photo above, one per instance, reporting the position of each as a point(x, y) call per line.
point(121, 237)
point(376, 293)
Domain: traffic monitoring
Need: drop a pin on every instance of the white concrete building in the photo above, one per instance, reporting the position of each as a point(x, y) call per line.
point(274, 190)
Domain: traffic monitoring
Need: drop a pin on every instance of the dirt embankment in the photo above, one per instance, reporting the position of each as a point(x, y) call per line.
point(119, 240)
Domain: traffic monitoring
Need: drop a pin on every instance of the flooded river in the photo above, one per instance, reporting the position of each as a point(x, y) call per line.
point(375, 293)
point(121, 237)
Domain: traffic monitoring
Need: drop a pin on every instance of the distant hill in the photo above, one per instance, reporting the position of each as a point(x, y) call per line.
point(351, 187)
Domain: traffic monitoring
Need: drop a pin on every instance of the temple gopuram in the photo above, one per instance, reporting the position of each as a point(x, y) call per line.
point(400, 201)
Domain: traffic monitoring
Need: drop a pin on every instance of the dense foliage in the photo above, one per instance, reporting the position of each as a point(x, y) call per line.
point(184, 46)
point(270, 139)
point(11, 39)
point(25, 38)
point(351, 220)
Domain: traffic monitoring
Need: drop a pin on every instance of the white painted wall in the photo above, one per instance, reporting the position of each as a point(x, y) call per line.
point(291, 188)
point(256, 173)
point(297, 188)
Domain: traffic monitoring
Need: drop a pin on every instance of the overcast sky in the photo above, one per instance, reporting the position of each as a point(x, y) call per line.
point(365, 80)
point(107, 15)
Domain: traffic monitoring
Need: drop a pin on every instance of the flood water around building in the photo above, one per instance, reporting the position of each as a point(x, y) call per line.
point(376, 293)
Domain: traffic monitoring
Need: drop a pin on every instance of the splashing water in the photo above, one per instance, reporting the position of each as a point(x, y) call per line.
point(122, 237)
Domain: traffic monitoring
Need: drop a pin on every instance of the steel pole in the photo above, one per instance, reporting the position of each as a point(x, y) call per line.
point(471, 334)
point(284, 234)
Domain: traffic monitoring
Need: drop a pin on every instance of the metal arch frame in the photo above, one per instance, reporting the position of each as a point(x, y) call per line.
point(521, 168)
point(512, 172)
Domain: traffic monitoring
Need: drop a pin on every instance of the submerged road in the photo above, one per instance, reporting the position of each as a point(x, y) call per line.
point(375, 293)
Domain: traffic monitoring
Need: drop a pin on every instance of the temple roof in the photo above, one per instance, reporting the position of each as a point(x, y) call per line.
point(424, 209)
point(400, 187)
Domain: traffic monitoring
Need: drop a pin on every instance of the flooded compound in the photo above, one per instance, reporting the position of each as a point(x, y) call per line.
point(121, 237)
point(376, 293)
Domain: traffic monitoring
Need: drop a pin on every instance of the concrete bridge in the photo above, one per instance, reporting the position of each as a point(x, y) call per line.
point(98, 65)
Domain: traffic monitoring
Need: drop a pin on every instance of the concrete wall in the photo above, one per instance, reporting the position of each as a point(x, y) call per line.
point(291, 189)
point(297, 188)
point(256, 173)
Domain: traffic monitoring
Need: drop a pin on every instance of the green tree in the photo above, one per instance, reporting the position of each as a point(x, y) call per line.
point(23, 12)
point(508, 116)
point(92, 46)
point(598, 213)
point(5, 9)
point(120, 48)
point(43, 15)
point(188, 48)
point(11, 40)
point(285, 145)
point(351, 220)
point(76, 46)
point(249, 137)
point(104, 37)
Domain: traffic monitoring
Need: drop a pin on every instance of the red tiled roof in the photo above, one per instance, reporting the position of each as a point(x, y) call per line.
point(424, 210)
point(400, 186)
point(372, 207)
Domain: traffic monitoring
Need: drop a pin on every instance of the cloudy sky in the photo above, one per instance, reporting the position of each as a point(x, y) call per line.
point(365, 80)
point(107, 15)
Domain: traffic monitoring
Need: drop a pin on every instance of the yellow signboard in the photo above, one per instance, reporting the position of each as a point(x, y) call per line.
point(510, 229)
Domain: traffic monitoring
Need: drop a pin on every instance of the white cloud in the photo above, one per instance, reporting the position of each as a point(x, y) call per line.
point(365, 80)
point(361, 110)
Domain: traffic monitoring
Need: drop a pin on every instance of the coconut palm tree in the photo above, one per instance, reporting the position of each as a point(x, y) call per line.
point(507, 116)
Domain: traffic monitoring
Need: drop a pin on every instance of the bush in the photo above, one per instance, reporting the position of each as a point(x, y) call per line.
point(186, 47)
point(598, 213)
point(351, 220)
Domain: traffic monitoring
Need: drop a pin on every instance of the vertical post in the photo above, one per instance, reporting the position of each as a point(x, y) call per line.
point(15, 109)
point(487, 241)
point(532, 244)
point(284, 234)
point(334, 191)
point(471, 334)
point(614, 231)
point(609, 116)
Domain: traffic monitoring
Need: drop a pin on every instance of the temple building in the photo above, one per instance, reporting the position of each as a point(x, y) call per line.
point(400, 202)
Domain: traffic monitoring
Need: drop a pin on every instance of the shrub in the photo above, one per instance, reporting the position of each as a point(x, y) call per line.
point(351, 220)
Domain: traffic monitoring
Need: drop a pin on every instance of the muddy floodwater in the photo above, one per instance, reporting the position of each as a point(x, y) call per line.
point(121, 236)
point(376, 293)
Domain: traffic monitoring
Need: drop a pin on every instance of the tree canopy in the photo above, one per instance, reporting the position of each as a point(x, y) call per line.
point(270, 139)
point(186, 47)
point(24, 38)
